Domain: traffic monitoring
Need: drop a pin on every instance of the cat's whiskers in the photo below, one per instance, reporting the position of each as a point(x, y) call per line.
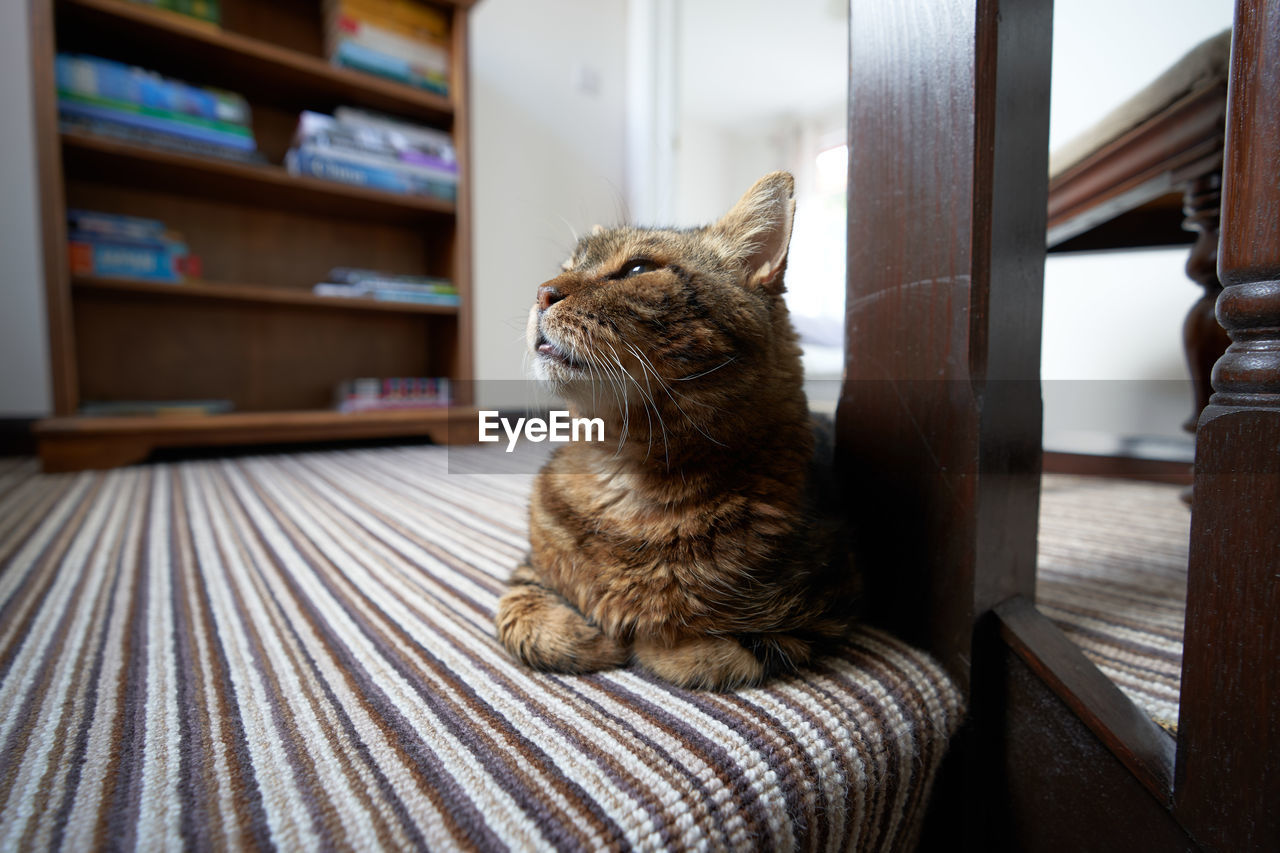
point(731, 359)
point(649, 403)
point(646, 400)
point(623, 402)
point(648, 367)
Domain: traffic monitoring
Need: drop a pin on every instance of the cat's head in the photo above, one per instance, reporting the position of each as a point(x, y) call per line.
point(651, 315)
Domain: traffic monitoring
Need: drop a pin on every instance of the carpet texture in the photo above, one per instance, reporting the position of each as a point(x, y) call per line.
point(298, 652)
point(1112, 574)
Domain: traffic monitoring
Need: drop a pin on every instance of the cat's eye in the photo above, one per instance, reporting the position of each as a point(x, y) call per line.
point(637, 266)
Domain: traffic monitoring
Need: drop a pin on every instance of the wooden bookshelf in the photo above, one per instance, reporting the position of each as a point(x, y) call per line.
point(250, 331)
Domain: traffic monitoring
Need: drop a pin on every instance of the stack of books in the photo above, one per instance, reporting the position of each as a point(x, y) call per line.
point(130, 103)
point(368, 150)
point(371, 284)
point(404, 40)
point(370, 395)
point(208, 11)
point(107, 245)
point(157, 408)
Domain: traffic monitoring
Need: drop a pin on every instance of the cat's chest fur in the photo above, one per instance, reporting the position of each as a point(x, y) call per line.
point(634, 553)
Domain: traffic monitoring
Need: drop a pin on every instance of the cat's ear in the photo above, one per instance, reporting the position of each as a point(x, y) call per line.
point(758, 229)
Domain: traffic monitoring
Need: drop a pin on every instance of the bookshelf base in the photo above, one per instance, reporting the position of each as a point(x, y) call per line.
point(79, 443)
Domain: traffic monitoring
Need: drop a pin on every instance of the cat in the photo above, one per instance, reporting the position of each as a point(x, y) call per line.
point(697, 544)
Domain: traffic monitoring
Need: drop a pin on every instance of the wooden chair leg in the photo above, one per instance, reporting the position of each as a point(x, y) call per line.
point(1203, 338)
point(1227, 780)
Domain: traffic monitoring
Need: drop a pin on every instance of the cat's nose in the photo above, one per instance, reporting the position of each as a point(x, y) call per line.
point(548, 295)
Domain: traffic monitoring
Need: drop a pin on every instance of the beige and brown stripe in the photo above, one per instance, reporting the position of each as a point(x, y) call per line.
point(1113, 575)
point(297, 652)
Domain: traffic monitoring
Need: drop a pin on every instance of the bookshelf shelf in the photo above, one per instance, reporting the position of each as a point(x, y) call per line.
point(70, 444)
point(91, 157)
point(237, 61)
point(253, 333)
point(252, 293)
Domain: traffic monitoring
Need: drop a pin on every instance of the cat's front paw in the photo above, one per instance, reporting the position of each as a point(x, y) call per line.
point(708, 663)
point(545, 632)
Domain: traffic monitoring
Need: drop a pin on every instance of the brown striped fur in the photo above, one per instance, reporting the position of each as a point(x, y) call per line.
point(691, 541)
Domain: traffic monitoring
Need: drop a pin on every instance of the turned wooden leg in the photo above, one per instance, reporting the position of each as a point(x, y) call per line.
point(1227, 780)
point(1203, 338)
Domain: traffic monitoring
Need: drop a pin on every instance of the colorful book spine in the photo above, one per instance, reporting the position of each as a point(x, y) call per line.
point(208, 11)
point(412, 18)
point(374, 278)
point(349, 168)
point(155, 121)
point(406, 40)
point(364, 395)
point(386, 294)
point(92, 222)
point(122, 259)
point(412, 143)
point(351, 54)
point(427, 58)
point(425, 151)
point(93, 77)
point(152, 139)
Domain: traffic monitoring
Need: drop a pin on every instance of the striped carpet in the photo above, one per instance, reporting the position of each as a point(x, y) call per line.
point(1113, 575)
point(297, 652)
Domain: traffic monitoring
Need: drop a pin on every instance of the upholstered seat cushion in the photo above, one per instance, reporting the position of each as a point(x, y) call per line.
point(1203, 66)
point(299, 650)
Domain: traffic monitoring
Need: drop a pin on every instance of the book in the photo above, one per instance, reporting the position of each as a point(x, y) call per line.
point(351, 54)
point(369, 394)
point(425, 146)
point(154, 121)
point(351, 168)
point(206, 11)
point(404, 40)
point(159, 408)
point(386, 294)
point(116, 258)
point(114, 224)
point(412, 18)
point(94, 77)
point(112, 245)
point(153, 139)
point(374, 278)
point(377, 145)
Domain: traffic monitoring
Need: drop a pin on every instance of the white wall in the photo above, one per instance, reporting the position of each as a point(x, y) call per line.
point(1112, 359)
point(24, 364)
point(549, 155)
point(1106, 50)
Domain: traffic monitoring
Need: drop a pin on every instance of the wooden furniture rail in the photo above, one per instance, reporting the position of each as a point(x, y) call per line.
point(939, 431)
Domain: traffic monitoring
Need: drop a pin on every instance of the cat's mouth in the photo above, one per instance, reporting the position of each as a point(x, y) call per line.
point(549, 350)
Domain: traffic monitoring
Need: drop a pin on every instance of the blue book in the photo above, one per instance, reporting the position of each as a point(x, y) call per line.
point(115, 259)
point(312, 164)
point(95, 224)
point(336, 166)
point(139, 121)
point(352, 55)
point(102, 78)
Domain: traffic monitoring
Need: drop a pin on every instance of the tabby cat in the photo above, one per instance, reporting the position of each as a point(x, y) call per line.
point(693, 543)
